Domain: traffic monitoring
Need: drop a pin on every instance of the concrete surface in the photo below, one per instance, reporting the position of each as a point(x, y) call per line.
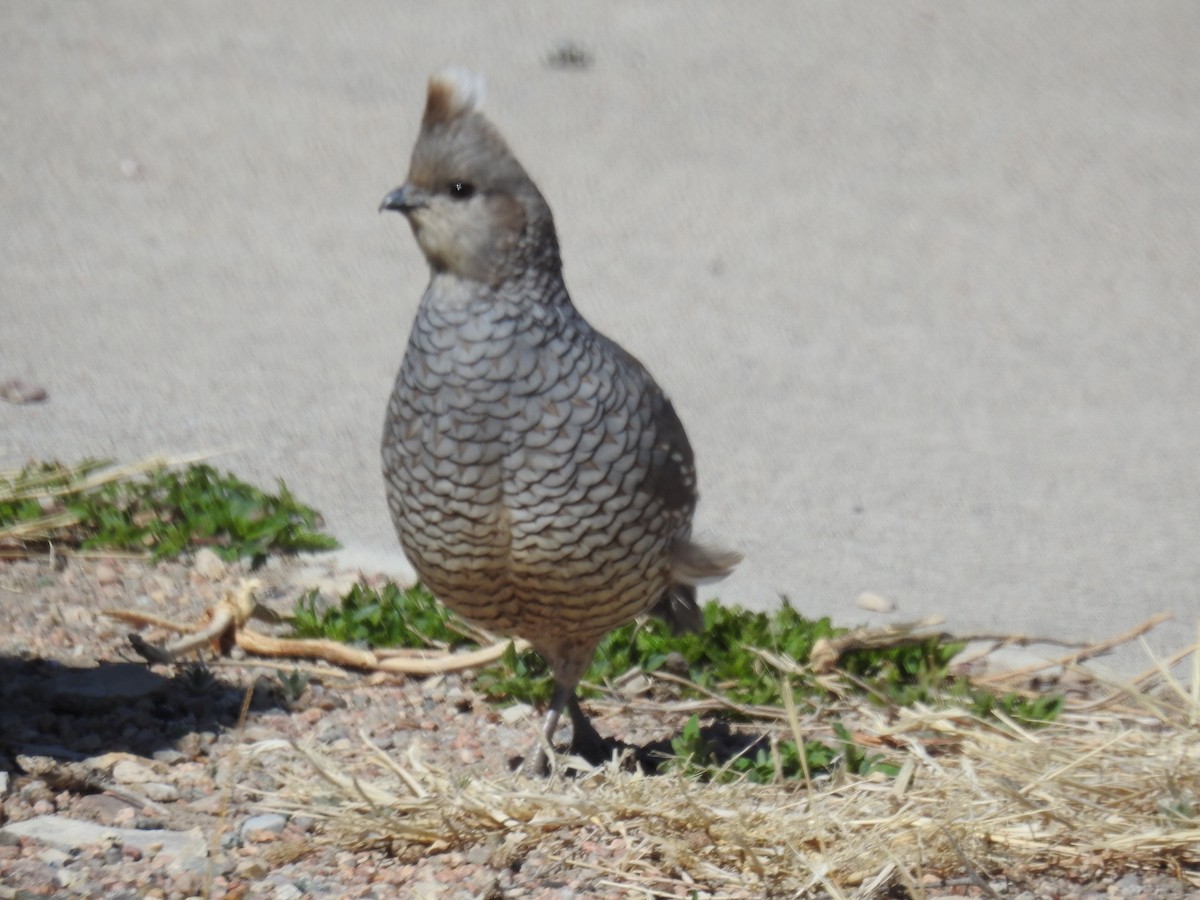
point(921, 278)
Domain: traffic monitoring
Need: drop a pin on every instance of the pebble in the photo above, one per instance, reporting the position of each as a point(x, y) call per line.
point(270, 823)
point(1129, 885)
point(330, 585)
point(160, 792)
point(53, 856)
point(71, 879)
point(106, 575)
point(61, 833)
point(252, 869)
point(125, 817)
point(518, 712)
point(285, 890)
point(129, 771)
point(208, 564)
point(873, 602)
point(19, 391)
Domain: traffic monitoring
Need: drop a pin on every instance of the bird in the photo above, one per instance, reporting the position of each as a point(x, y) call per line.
point(539, 479)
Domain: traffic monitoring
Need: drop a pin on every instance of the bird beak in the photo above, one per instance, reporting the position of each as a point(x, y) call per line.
point(403, 199)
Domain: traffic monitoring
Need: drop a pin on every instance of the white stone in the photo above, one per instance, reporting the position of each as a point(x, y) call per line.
point(189, 848)
point(518, 712)
point(875, 603)
point(208, 564)
point(130, 771)
point(160, 792)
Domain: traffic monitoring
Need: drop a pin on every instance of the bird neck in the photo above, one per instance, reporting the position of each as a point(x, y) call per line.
point(538, 269)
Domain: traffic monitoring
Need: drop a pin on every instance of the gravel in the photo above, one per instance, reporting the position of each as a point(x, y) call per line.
point(122, 781)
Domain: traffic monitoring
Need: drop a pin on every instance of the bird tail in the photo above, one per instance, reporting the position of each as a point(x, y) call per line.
point(692, 562)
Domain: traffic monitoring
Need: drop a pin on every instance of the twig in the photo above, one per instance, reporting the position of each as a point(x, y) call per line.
point(226, 626)
point(1075, 658)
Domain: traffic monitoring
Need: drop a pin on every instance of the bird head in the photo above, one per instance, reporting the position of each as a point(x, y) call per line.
point(474, 211)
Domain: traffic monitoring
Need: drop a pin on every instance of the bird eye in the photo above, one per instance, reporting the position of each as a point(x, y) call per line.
point(462, 190)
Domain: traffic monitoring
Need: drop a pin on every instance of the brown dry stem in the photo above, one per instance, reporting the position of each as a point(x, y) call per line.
point(226, 626)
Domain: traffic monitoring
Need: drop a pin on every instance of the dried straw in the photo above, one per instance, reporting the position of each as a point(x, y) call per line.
point(1100, 791)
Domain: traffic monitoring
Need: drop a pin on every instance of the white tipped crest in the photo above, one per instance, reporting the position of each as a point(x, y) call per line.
point(454, 91)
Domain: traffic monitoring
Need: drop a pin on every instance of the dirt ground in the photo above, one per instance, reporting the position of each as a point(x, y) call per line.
point(120, 781)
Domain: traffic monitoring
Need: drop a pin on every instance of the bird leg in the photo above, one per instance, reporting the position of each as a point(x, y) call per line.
point(549, 725)
point(585, 740)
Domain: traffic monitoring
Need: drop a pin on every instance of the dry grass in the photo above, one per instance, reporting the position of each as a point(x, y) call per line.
point(1114, 785)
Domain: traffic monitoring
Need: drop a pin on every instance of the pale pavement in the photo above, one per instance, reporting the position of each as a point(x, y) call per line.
point(923, 280)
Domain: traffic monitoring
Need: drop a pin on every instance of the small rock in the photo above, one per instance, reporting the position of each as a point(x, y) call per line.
point(107, 575)
point(271, 823)
point(676, 663)
point(518, 712)
point(569, 55)
point(634, 684)
point(285, 890)
point(251, 869)
point(103, 808)
point(53, 856)
point(71, 878)
point(160, 792)
point(188, 848)
point(1130, 885)
point(129, 771)
point(256, 734)
point(16, 390)
point(189, 883)
point(125, 816)
point(480, 854)
point(875, 603)
point(210, 804)
point(208, 564)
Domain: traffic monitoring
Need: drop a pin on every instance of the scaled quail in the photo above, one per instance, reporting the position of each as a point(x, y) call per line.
point(540, 482)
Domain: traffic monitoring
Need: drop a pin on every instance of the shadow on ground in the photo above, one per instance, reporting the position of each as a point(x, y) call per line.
point(48, 709)
point(724, 745)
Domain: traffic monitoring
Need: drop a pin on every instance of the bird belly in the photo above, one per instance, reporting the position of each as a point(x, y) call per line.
point(516, 481)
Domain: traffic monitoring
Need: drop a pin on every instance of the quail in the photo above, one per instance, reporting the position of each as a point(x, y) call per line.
point(539, 480)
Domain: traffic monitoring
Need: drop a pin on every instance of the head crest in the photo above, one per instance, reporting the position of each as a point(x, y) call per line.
point(453, 92)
